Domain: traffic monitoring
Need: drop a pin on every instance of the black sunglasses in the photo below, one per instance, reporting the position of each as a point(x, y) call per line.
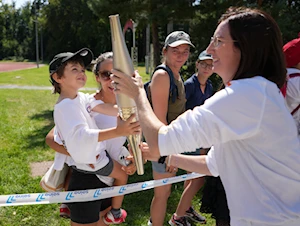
point(105, 75)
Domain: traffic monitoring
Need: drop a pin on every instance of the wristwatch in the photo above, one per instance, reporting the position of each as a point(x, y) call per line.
point(162, 159)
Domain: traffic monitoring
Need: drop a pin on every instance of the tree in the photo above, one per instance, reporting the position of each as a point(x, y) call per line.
point(157, 13)
point(71, 25)
point(16, 32)
point(287, 16)
point(1, 29)
point(68, 25)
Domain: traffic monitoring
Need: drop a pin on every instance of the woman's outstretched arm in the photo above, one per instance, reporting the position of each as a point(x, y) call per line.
point(134, 88)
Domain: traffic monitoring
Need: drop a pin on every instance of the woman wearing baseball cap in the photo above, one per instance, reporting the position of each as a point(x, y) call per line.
point(198, 88)
point(175, 53)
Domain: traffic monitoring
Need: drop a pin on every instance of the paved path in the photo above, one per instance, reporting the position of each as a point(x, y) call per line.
point(40, 168)
point(14, 66)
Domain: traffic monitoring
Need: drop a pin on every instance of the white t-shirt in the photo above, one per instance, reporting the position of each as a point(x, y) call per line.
point(80, 133)
point(293, 95)
point(256, 149)
point(114, 146)
point(104, 122)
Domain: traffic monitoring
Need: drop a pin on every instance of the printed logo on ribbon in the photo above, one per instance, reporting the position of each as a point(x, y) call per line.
point(11, 199)
point(69, 196)
point(97, 193)
point(40, 198)
point(122, 189)
point(82, 195)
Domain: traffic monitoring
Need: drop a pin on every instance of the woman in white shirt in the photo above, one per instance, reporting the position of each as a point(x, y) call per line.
point(256, 149)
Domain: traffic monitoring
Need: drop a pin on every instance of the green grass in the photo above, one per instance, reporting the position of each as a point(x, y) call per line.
point(40, 77)
point(26, 118)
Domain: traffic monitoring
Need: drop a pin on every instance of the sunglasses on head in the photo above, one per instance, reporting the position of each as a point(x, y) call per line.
point(105, 75)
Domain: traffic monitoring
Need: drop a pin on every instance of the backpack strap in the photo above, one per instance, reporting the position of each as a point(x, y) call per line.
point(173, 88)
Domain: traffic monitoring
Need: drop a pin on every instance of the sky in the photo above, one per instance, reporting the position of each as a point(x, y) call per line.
point(19, 3)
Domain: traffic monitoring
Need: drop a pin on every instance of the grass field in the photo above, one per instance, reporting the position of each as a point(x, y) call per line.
point(40, 77)
point(26, 118)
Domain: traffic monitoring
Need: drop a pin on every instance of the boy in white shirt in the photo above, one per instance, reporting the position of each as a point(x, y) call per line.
point(77, 128)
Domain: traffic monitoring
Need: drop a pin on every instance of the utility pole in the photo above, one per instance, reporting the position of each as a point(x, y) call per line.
point(36, 36)
point(147, 57)
point(42, 47)
point(134, 49)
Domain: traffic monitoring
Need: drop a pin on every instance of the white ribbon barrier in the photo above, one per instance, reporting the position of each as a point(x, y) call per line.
point(89, 195)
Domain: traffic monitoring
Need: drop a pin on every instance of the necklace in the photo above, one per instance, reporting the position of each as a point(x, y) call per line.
point(106, 97)
point(99, 96)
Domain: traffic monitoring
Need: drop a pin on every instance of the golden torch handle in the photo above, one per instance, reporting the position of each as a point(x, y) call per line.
point(126, 105)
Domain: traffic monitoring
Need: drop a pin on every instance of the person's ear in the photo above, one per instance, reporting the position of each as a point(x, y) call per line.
point(98, 79)
point(56, 78)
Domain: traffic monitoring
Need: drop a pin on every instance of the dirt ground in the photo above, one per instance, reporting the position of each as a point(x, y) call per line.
point(13, 66)
point(39, 168)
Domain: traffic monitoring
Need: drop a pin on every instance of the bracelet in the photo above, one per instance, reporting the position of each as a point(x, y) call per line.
point(162, 159)
point(169, 160)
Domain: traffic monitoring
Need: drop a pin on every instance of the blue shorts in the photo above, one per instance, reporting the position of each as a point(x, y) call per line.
point(159, 167)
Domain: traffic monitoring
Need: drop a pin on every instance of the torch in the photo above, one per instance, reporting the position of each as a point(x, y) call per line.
point(126, 105)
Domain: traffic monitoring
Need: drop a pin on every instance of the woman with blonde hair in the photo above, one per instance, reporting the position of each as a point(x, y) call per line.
point(167, 106)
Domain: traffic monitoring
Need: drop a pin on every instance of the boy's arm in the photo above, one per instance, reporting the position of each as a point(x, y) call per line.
point(55, 146)
point(106, 109)
point(124, 128)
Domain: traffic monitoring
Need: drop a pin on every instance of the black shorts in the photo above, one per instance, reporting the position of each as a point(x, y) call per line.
point(104, 171)
point(86, 212)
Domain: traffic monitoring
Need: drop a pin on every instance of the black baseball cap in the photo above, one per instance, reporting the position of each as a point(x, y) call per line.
point(59, 59)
